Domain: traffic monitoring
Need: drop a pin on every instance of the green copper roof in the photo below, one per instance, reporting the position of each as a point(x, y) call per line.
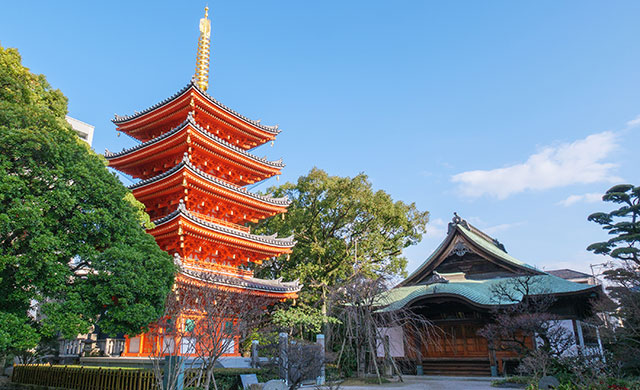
point(477, 238)
point(492, 248)
point(425, 282)
point(480, 292)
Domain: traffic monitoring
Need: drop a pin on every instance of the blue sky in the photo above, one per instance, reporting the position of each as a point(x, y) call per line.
point(517, 115)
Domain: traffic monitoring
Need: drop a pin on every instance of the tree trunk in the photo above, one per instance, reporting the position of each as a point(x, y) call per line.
point(325, 324)
point(375, 363)
point(209, 377)
point(361, 359)
point(213, 378)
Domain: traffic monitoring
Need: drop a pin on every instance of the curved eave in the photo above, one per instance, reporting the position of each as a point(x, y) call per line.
point(256, 125)
point(426, 296)
point(177, 132)
point(282, 245)
point(491, 250)
point(278, 203)
point(279, 289)
point(434, 255)
point(473, 294)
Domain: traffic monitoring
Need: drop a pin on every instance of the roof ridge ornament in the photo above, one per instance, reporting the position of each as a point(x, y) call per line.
point(457, 220)
point(202, 59)
point(499, 245)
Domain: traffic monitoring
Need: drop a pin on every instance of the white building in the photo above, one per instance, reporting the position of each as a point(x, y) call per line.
point(84, 130)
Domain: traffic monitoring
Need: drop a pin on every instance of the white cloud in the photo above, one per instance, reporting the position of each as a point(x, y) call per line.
point(579, 162)
point(634, 122)
point(591, 197)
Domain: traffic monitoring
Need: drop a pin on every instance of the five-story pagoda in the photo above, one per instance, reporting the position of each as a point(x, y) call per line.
point(194, 161)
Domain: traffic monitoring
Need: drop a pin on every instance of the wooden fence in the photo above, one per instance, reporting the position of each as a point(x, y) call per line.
point(84, 378)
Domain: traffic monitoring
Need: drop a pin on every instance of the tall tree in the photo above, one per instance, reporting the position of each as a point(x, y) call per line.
point(342, 227)
point(623, 224)
point(73, 250)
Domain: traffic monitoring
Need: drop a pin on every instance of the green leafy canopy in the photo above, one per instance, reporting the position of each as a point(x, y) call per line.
point(73, 251)
point(623, 224)
point(342, 227)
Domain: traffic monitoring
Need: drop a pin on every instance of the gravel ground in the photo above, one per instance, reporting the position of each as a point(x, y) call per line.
point(432, 383)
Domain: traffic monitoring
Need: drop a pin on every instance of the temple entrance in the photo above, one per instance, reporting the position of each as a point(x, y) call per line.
point(456, 349)
point(456, 340)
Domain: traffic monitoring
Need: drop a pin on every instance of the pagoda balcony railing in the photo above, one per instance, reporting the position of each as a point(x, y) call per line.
point(221, 222)
point(229, 270)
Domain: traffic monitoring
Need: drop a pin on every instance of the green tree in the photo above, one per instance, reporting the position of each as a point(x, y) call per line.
point(342, 228)
point(623, 224)
point(73, 251)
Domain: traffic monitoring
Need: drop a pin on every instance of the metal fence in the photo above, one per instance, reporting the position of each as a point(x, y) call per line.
point(84, 378)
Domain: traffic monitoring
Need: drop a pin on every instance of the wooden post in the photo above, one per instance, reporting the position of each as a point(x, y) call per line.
point(580, 336)
point(387, 354)
point(492, 359)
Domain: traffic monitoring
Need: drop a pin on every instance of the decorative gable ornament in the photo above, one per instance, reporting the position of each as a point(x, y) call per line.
point(460, 249)
point(457, 220)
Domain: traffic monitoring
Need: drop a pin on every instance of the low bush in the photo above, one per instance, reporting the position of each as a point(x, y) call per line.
point(601, 384)
point(229, 378)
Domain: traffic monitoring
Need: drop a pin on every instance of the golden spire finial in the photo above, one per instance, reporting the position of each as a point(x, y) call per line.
point(202, 59)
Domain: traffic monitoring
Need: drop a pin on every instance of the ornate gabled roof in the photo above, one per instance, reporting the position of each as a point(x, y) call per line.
point(191, 122)
point(284, 201)
point(286, 242)
point(481, 241)
point(192, 85)
point(476, 289)
point(249, 283)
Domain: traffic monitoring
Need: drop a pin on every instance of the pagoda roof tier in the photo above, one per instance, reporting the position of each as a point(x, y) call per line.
point(149, 123)
point(187, 234)
point(160, 192)
point(274, 288)
point(208, 152)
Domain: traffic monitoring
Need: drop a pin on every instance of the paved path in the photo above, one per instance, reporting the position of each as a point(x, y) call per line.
point(432, 383)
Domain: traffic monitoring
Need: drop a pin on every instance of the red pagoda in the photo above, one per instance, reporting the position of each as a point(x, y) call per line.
point(194, 162)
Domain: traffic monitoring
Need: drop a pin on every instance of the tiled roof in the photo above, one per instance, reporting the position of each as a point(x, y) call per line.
point(492, 247)
point(479, 292)
point(212, 137)
point(250, 283)
point(569, 274)
point(286, 242)
point(222, 183)
point(270, 129)
point(479, 238)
